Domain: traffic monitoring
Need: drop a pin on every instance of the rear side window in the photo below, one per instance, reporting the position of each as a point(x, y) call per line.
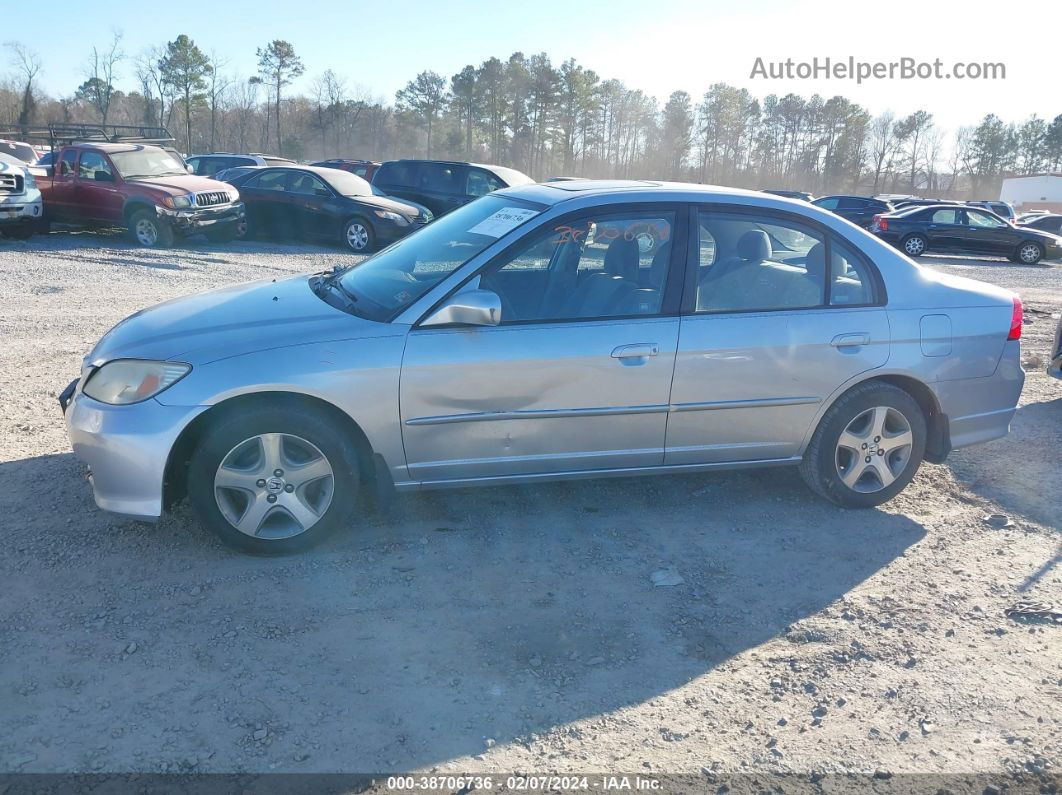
point(827, 204)
point(66, 165)
point(759, 263)
point(851, 281)
point(395, 173)
point(849, 203)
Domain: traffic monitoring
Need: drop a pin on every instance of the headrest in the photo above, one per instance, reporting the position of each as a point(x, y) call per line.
point(621, 258)
point(754, 246)
point(815, 262)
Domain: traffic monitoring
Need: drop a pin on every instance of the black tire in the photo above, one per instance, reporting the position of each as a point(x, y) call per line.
point(141, 221)
point(226, 434)
point(1029, 252)
point(20, 231)
point(820, 466)
point(242, 228)
point(224, 233)
point(917, 242)
point(359, 243)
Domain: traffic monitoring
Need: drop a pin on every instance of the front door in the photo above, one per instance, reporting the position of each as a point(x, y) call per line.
point(96, 189)
point(577, 376)
point(767, 343)
point(989, 234)
point(309, 196)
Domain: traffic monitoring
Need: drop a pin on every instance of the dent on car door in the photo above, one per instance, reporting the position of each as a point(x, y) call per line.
point(577, 378)
point(762, 347)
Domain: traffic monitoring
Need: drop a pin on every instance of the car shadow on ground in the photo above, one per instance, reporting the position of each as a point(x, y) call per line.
point(463, 619)
point(1017, 471)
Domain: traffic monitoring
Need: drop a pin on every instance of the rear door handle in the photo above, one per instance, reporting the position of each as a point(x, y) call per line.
point(638, 350)
point(850, 340)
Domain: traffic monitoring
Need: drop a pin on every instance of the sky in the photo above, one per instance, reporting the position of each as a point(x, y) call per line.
point(658, 47)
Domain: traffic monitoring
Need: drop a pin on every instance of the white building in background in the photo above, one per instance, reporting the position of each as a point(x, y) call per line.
point(1034, 192)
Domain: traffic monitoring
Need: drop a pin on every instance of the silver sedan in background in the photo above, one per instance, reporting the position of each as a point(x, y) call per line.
point(564, 330)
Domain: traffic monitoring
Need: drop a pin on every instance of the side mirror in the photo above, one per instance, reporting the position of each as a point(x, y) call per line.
point(471, 308)
point(103, 176)
point(189, 168)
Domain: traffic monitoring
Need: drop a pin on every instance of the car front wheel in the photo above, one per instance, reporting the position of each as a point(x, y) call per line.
point(274, 479)
point(915, 245)
point(867, 448)
point(358, 235)
point(1030, 253)
point(150, 231)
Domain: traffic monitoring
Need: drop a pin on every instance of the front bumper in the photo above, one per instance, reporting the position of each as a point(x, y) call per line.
point(126, 449)
point(197, 218)
point(19, 213)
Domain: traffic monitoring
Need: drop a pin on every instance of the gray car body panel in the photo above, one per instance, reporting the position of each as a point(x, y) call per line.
point(450, 407)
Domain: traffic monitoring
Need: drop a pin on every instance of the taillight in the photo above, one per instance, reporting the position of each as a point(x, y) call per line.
point(1015, 320)
point(883, 224)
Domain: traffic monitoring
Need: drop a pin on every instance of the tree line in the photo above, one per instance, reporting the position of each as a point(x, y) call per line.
point(538, 117)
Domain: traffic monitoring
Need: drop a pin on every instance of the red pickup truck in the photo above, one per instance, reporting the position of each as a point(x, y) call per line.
point(119, 179)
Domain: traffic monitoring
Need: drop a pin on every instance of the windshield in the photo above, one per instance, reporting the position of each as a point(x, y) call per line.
point(147, 162)
point(345, 183)
point(387, 283)
point(23, 152)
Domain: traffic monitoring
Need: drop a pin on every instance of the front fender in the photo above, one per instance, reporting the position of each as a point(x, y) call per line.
point(359, 377)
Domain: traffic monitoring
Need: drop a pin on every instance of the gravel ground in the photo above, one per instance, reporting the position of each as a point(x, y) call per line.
point(517, 628)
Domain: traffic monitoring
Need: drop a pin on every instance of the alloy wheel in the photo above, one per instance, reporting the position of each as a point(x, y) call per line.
point(874, 449)
point(147, 234)
point(914, 246)
point(357, 236)
point(274, 485)
point(1029, 253)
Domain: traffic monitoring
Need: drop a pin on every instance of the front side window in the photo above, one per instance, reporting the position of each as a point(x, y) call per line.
point(388, 282)
point(758, 263)
point(596, 266)
point(93, 163)
point(308, 184)
point(480, 183)
point(977, 218)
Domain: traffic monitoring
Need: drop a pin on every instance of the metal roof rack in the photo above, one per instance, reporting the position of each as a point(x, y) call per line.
point(59, 134)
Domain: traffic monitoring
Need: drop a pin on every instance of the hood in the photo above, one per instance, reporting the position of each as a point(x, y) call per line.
point(402, 206)
point(1039, 234)
point(179, 185)
point(232, 321)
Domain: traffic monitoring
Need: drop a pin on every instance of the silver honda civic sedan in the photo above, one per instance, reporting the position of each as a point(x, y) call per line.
point(565, 330)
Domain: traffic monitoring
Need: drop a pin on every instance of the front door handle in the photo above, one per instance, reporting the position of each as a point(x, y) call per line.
point(856, 340)
point(639, 350)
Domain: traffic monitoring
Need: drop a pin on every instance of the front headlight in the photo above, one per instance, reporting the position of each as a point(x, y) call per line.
point(29, 182)
point(401, 220)
point(179, 202)
point(125, 381)
point(234, 195)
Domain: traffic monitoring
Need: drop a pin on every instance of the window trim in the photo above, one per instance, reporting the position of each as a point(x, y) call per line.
point(670, 302)
point(689, 291)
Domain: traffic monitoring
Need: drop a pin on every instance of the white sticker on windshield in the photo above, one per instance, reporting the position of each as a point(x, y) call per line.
point(502, 221)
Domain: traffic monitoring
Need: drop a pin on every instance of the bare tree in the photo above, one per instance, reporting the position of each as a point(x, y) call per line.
point(28, 63)
point(279, 65)
point(100, 73)
point(217, 87)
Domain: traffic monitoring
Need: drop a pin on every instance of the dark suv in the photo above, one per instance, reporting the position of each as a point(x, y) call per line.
point(443, 185)
point(860, 210)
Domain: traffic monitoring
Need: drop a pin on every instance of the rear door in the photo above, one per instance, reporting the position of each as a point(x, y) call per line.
point(854, 209)
point(60, 199)
point(264, 195)
point(768, 334)
point(442, 185)
point(945, 227)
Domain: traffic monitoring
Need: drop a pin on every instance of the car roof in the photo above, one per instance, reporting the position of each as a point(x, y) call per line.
point(110, 148)
point(550, 193)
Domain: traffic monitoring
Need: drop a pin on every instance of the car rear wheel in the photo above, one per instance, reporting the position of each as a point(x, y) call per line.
point(867, 448)
point(358, 235)
point(149, 230)
point(915, 245)
point(274, 479)
point(1030, 253)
